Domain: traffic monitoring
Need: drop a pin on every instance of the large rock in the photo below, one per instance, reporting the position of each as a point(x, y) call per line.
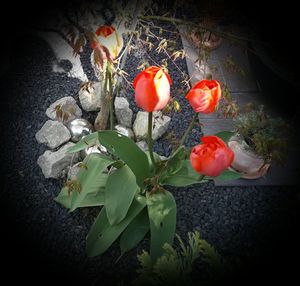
point(63, 53)
point(160, 125)
point(123, 112)
point(70, 103)
point(53, 163)
point(90, 96)
point(53, 133)
point(125, 131)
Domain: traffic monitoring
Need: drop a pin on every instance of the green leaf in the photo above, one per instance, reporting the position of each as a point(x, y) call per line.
point(226, 175)
point(90, 178)
point(102, 234)
point(88, 140)
point(184, 177)
point(162, 217)
point(124, 148)
point(120, 190)
point(94, 199)
point(91, 200)
point(135, 232)
point(225, 135)
point(175, 161)
point(156, 158)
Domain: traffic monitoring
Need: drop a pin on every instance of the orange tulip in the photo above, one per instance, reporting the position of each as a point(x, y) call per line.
point(152, 89)
point(204, 96)
point(211, 157)
point(109, 37)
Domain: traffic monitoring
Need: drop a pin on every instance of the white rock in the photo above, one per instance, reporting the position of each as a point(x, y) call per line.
point(123, 112)
point(63, 51)
point(53, 163)
point(90, 96)
point(143, 145)
point(51, 113)
point(97, 71)
point(125, 131)
point(140, 125)
point(53, 133)
point(160, 125)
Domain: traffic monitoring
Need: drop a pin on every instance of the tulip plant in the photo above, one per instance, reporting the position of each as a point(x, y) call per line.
point(129, 183)
point(107, 45)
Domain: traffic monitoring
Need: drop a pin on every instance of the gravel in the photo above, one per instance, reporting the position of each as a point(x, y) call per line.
point(235, 220)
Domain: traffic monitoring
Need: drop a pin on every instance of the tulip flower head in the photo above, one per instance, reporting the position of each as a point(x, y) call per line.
point(152, 89)
point(109, 37)
point(211, 157)
point(204, 96)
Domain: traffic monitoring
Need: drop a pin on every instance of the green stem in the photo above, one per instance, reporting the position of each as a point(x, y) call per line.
point(111, 97)
point(150, 142)
point(188, 130)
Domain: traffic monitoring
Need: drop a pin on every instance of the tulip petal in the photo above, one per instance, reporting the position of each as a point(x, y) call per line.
point(211, 157)
point(213, 139)
point(200, 100)
point(145, 94)
point(204, 96)
point(152, 89)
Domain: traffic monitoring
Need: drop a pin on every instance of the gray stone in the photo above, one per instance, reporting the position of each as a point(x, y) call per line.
point(63, 52)
point(79, 128)
point(68, 100)
point(53, 163)
point(90, 96)
point(143, 145)
point(53, 133)
point(140, 125)
point(160, 125)
point(125, 131)
point(93, 149)
point(123, 112)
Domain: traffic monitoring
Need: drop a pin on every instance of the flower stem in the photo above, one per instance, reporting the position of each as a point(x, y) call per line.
point(111, 97)
point(188, 130)
point(150, 142)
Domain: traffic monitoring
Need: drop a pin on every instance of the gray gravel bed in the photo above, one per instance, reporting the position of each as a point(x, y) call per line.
point(235, 220)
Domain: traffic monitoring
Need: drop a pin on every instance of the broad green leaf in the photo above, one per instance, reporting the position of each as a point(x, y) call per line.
point(226, 175)
point(184, 177)
point(225, 135)
point(119, 192)
point(94, 199)
point(135, 232)
point(124, 148)
point(102, 234)
point(91, 200)
point(90, 178)
point(156, 158)
point(84, 143)
point(162, 217)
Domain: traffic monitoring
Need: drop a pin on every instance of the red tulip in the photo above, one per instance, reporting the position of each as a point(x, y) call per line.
point(109, 37)
point(105, 31)
point(152, 89)
point(211, 157)
point(204, 96)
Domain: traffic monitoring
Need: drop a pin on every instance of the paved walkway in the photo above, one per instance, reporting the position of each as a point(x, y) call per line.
point(244, 88)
